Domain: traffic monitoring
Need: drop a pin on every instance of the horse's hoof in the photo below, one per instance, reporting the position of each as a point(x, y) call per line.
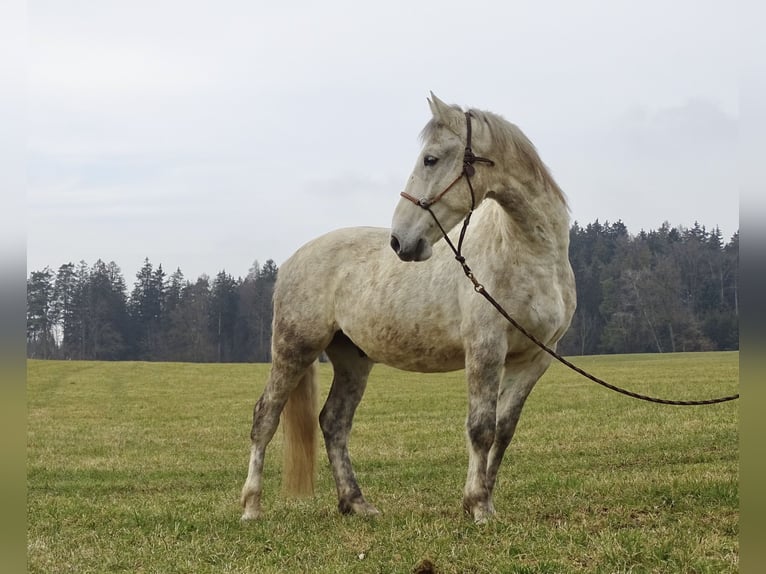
point(249, 515)
point(251, 504)
point(481, 517)
point(359, 508)
point(366, 509)
point(252, 510)
point(481, 513)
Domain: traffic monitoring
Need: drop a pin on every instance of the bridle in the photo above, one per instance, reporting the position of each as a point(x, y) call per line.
point(469, 158)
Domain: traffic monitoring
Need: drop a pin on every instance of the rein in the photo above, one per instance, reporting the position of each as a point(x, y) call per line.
point(469, 158)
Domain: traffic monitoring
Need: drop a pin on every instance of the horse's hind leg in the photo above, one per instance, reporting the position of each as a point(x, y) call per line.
point(351, 369)
point(284, 377)
point(515, 387)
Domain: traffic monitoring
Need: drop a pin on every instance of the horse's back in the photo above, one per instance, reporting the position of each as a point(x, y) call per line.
point(323, 261)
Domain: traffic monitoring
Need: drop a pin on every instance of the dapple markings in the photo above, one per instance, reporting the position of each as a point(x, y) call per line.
point(350, 295)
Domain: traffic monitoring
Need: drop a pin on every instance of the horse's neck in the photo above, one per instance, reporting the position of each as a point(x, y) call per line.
point(534, 211)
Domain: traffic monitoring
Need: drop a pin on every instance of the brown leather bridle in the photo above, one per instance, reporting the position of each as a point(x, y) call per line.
point(469, 158)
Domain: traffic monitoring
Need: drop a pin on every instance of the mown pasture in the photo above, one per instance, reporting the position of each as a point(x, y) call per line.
point(137, 467)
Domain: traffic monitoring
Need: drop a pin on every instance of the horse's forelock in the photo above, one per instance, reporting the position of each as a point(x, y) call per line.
point(436, 124)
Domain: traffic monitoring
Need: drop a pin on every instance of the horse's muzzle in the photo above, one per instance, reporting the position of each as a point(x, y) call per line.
point(418, 250)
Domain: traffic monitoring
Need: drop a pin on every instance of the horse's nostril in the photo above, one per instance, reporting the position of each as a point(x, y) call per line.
point(395, 244)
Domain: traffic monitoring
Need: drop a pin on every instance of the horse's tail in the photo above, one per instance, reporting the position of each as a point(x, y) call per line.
point(299, 424)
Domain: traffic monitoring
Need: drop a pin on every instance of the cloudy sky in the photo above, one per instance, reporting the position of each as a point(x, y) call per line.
point(207, 135)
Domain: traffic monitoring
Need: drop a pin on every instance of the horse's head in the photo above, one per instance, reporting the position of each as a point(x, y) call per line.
point(444, 165)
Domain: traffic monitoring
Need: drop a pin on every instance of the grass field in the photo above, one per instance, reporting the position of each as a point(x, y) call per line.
point(137, 467)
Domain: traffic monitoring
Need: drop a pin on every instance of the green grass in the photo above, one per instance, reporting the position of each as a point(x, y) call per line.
point(137, 467)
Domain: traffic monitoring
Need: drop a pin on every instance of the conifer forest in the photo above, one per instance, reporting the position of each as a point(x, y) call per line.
point(665, 290)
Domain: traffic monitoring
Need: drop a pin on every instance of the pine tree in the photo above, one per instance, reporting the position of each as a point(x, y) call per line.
point(224, 301)
point(64, 296)
point(40, 314)
point(263, 301)
point(108, 317)
point(194, 320)
point(146, 312)
point(77, 325)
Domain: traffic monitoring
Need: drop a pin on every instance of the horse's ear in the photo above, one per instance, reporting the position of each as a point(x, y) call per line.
point(439, 109)
point(431, 104)
point(445, 114)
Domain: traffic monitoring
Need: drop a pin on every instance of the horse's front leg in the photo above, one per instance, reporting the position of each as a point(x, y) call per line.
point(351, 369)
point(515, 387)
point(483, 371)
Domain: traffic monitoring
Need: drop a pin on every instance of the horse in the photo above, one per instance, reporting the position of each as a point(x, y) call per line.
point(370, 295)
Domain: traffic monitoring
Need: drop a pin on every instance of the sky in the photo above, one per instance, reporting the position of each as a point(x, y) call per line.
point(206, 136)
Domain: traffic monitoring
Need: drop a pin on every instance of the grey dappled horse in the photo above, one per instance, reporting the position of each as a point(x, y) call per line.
point(368, 295)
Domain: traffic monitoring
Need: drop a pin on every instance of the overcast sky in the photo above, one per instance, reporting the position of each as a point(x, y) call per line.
point(208, 135)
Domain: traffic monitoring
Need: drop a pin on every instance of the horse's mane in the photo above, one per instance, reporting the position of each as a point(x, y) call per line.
point(509, 141)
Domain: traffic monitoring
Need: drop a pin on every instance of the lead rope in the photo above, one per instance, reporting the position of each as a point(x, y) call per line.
point(479, 288)
point(468, 171)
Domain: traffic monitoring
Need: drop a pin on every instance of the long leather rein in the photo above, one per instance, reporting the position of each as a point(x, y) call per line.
point(469, 159)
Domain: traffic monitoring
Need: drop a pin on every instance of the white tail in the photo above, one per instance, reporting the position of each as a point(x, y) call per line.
point(299, 426)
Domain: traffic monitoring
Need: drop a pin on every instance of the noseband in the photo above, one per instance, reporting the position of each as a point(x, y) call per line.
point(469, 158)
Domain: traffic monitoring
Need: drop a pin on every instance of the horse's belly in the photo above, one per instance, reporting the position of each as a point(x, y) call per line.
point(439, 361)
point(410, 347)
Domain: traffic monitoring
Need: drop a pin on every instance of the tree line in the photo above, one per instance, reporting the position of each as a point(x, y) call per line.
point(82, 312)
point(665, 290)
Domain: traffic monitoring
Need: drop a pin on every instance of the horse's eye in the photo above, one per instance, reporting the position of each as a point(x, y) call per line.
point(430, 160)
